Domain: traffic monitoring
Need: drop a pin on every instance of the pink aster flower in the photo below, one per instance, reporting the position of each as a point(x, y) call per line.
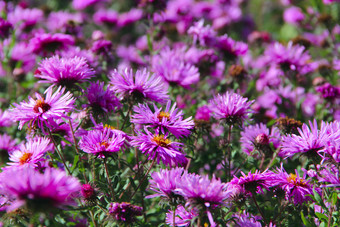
point(101, 142)
point(43, 110)
point(310, 141)
point(183, 217)
point(49, 43)
point(5, 28)
point(125, 212)
point(7, 145)
point(293, 15)
point(83, 4)
point(25, 19)
point(30, 153)
point(296, 188)
point(100, 100)
point(258, 137)
point(328, 91)
point(253, 182)
point(64, 71)
point(230, 48)
point(171, 119)
point(230, 107)
point(204, 34)
point(171, 66)
point(165, 182)
point(38, 192)
point(129, 17)
point(108, 17)
point(159, 146)
point(5, 119)
point(140, 86)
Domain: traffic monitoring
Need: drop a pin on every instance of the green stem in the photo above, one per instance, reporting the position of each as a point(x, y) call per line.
point(109, 180)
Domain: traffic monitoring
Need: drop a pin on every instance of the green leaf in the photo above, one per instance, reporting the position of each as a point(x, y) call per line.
point(321, 216)
point(334, 198)
point(305, 221)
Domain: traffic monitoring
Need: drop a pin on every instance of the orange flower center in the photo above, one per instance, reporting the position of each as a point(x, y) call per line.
point(109, 127)
point(159, 139)
point(40, 103)
point(25, 158)
point(293, 179)
point(162, 115)
point(104, 143)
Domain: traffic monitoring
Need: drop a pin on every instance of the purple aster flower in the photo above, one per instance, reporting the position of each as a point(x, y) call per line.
point(25, 19)
point(171, 66)
point(230, 107)
point(165, 182)
point(204, 34)
point(160, 147)
point(21, 54)
point(5, 28)
point(258, 137)
point(231, 49)
point(247, 220)
point(83, 4)
point(139, 86)
point(129, 17)
point(330, 175)
point(108, 17)
point(7, 145)
point(101, 101)
point(309, 141)
point(170, 119)
point(253, 182)
point(38, 192)
point(41, 111)
point(293, 15)
point(30, 153)
point(183, 217)
point(328, 2)
point(125, 212)
point(64, 71)
point(64, 22)
point(331, 153)
point(328, 91)
point(101, 46)
point(5, 119)
point(101, 143)
point(49, 43)
point(76, 51)
point(203, 113)
point(296, 188)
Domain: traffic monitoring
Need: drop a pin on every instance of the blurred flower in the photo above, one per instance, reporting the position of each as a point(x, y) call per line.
point(66, 72)
point(231, 49)
point(25, 19)
point(139, 86)
point(43, 110)
point(83, 4)
point(129, 17)
point(5, 119)
point(107, 17)
point(183, 217)
point(5, 28)
point(293, 15)
point(328, 91)
point(170, 119)
point(48, 43)
point(38, 192)
point(125, 212)
point(204, 34)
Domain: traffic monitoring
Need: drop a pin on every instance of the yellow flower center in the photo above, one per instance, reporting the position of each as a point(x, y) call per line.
point(109, 127)
point(104, 143)
point(162, 115)
point(293, 179)
point(25, 158)
point(159, 139)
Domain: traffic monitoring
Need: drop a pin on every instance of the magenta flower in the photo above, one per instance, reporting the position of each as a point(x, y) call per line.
point(5, 119)
point(204, 34)
point(328, 91)
point(38, 192)
point(170, 119)
point(310, 141)
point(108, 17)
point(230, 107)
point(30, 153)
point(258, 137)
point(125, 212)
point(7, 145)
point(183, 216)
point(83, 4)
point(101, 101)
point(49, 43)
point(129, 17)
point(64, 71)
point(171, 66)
point(139, 86)
point(230, 48)
point(160, 147)
point(25, 19)
point(253, 182)
point(293, 15)
point(101, 47)
point(296, 188)
point(101, 142)
point(43, 110)
point(165, 182)
point(5, 28)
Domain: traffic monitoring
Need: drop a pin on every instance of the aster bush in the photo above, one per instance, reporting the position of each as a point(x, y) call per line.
point(169, 113)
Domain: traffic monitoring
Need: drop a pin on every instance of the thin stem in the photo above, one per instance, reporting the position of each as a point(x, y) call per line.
point(92, 218)
point(127, 116)
point(59, 152)
point(109, 180)
point(257, 206)
point(330, 217)
point(229, 152)
point(77, 150)
point(140, 183)
point(174, 216)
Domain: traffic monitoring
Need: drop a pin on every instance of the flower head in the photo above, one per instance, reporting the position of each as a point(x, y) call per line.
point(159, 146)
point(170, 119)
point(230, 107)
point(43, 110)
point(139, 86)
point(101, 142)
point(64, 71)
point(38, 192)
point(49, 43)
point(183, 216)
point(30, 153)
point(125, 212)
